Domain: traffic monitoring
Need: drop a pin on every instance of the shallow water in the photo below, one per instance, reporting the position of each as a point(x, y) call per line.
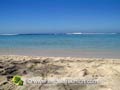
point(76, 45)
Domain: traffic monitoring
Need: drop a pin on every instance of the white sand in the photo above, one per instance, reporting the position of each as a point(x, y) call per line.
point(106, 71)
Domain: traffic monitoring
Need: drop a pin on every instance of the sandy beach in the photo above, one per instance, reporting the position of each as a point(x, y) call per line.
point(59, 44)
point(105, 71)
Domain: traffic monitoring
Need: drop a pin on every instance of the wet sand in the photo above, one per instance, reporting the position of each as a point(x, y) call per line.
point(62, 53)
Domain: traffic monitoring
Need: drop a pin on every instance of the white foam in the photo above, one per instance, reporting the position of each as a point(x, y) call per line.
point(8, 34)
point(88, 33)
point(75, 33)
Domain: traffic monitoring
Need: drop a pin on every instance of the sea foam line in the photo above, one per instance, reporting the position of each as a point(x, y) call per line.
point(88, 33)
point(8, 34)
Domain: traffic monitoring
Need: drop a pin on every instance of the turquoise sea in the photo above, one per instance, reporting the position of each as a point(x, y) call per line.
point(66, 44)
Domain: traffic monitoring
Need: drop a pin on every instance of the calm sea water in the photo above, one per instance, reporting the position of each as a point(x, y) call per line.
point(83, 45)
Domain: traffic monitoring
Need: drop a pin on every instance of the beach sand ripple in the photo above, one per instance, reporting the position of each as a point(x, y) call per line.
point(107, 71)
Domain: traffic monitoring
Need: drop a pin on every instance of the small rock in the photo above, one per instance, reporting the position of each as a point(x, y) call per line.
point(24, 72)
point(9, 77)
point(85, 72)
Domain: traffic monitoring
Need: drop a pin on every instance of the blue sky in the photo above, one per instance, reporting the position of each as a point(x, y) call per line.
point(48, 16)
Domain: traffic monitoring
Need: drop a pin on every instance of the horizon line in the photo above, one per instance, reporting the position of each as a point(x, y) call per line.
point(70, 33)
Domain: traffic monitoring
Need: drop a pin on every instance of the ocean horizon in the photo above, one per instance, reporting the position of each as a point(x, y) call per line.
point(68, 33)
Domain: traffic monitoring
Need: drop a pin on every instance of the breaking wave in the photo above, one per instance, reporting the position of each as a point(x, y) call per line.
point(88, 33)
point(8, 34)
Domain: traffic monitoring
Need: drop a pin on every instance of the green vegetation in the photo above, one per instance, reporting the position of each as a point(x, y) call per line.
point(17, 80)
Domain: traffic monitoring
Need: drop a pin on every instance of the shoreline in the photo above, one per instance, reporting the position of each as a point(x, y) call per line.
point(61, 53)
point(47, 56)
point(28, 57)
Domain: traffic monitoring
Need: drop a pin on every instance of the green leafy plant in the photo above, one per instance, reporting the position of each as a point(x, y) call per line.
point(17, 80)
